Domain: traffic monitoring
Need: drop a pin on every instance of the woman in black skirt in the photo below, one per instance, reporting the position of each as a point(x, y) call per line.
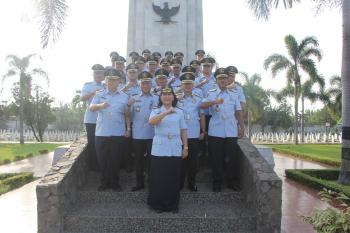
point(169, 147)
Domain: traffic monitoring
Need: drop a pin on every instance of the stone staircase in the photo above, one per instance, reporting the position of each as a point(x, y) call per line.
point(126, 212)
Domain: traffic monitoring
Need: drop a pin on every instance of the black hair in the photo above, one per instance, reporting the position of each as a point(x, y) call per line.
point(174, 103)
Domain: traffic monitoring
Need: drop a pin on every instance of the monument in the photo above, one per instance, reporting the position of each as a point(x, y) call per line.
point(161, 25)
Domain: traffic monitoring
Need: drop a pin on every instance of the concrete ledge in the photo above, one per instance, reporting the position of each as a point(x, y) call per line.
point(57, 190)
point(261, 187)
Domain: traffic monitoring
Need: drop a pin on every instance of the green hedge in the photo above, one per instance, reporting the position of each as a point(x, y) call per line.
point(9, 182)
point(318, 179)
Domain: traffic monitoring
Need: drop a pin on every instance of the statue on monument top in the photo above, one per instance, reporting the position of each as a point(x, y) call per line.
point(166, 13)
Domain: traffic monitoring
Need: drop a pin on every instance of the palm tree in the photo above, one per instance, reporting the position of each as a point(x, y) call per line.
point(262, 10)
point(257, 98)
point(300, 59)
point(306, 93)
point(19, 67)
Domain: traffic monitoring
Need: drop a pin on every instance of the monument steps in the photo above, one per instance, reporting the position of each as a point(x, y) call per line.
point(126, 212)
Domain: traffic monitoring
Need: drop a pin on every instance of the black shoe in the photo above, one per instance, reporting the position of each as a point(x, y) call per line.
point(138, 187)
point(116, 187)
point(103, 187)
point(192, 187)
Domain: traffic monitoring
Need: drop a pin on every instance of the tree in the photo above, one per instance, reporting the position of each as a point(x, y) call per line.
point(257, 99)
point(278, 117)
point(262, 10)
point(300, 58)
point(70, 116)
point(334, 95)
point(20, 67)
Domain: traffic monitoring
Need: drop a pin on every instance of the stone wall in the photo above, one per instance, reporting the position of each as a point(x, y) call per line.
point(261, 187)
point(57, 190)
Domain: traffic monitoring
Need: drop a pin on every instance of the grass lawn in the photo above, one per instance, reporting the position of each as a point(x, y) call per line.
point(328, 154)
point(12, 181)
point(10, 152)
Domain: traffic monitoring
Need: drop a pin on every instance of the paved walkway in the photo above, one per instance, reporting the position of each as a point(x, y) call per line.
point(18, 207)
point(297, 199)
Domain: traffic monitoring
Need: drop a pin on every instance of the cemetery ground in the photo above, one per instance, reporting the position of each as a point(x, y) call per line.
point(10, 152)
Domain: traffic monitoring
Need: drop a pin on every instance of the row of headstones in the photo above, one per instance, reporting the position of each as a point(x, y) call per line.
point(49, 136)
point(289, 137)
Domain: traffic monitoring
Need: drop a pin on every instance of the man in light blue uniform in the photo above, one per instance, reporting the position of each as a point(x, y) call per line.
point(206, 82)
point(140, 63)
point(161, 77)
point(112, 126)
point(231, 72)
point(88, 92)
point(152, 67)
point(200, 54)
point(132, 88)
point(197, 66)
point(174, 77)
point(223, 132)
point(141, 106)
point(190, 102)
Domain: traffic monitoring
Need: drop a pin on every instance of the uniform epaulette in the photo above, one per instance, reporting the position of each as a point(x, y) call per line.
point(135, 94)
point(212, 90)
point(99, 91)
point(178, 108)
point(88, 83)
point(155, 107)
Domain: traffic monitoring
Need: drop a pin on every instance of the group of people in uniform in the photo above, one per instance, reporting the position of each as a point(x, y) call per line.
point(157, 115)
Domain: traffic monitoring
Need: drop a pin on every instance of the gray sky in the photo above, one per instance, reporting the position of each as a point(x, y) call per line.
point(95, 28)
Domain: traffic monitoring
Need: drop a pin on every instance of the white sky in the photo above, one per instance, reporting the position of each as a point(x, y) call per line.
point(95, 28)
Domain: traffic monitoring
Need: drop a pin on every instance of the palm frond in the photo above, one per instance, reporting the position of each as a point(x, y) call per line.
point(309, 67)
point(275, 58)
point(42, 73)
point(14, 61)
point(10, 73)
point(262, 8)
point(310, 40)
point(335, 81)
point(292, 46)
point(320, 4)
point(311, 52)
point(53, 14)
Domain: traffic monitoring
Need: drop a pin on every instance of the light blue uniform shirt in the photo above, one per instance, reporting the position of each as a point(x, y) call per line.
point(90, 117)
point(133, 90)
point(167, 137)
point(211, 84)
point(111, 120)
point(191, 109)
point(140, 112)
point(223, 122)
point(175, 84)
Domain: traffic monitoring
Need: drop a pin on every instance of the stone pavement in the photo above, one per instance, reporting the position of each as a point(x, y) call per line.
point(18, 207)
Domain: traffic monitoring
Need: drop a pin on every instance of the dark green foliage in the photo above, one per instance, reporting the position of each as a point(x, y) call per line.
point(9, 182)
point(318, 179)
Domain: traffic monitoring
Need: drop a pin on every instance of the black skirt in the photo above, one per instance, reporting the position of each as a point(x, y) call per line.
point(164, 183)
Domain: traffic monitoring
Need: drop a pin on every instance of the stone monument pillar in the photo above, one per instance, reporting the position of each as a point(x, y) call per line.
point(160, 25)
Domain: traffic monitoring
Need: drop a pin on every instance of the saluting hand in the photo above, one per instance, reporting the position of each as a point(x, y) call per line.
point(131, 101)
point(219, 101)
point(104, 105)
point(170, 111)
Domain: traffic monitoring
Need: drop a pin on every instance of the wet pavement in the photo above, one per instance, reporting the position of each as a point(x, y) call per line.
point(297, 200)
point(18, 207)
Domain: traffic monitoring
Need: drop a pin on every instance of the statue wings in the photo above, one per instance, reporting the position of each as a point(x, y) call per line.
point(166, 13)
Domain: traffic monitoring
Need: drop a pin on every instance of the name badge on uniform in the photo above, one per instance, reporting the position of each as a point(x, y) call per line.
point(170, 136)
point(193, 100)
point(187, 116)
point(217, 109)
point(137, 109)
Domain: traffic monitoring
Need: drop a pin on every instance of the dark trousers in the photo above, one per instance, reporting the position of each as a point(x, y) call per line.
point(222, 156)
point(90, 131)
point(189, 165)
point(141, 148)
point(204, 148)
point(127, 154)
point(109, 154)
